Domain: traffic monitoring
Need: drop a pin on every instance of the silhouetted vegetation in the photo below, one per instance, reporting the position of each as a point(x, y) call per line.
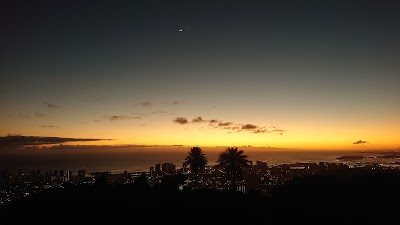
point(197, 161)
point(233, 161)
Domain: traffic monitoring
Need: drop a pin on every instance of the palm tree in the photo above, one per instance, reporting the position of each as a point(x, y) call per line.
point(233, 161)
point(197, 161)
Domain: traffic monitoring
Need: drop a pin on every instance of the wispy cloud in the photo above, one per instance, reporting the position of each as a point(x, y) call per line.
point(263, 130)
point(176, 102)
point(180, 120)
point(48, 126)
point(145, 104)
point(52, 106)
point(20, 115)
point(360, 142)
point(24, 116)
point(159, 112)
point(278, 131)
point(138, 114)
point(39, 115)
point(122, 117)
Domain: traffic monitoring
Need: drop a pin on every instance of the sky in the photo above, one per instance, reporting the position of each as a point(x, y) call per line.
point(284, 74)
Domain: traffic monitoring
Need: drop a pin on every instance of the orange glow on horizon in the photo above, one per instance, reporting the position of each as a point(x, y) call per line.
point(302, 134)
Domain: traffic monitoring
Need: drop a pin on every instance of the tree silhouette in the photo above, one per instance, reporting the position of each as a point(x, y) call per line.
point(233, 161)
point(197, 161)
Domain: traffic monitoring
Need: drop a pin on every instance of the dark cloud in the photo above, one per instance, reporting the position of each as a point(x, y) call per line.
point(260, 131)
point(47, 126)
point(18, 140)
point(219, 124)
point(122, 117)
point(214, 121)
point(143, 125)
point(146, 104)
point(249, 127)
point(2, 91)
point(255, 129)
point(107, 148)
point(360, 142)
point(224, 124)
point(180, 120)
point(96, 120)
point(52, 106)
point(198, 120)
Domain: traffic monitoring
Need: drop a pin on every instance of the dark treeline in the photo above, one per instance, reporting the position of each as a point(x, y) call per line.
point(358, 196)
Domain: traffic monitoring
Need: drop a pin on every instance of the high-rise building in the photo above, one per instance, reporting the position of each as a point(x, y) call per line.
point(158, 169)
point(68, 175)
point(126, 177)
point(168, 168)
point(81, 175)
point(152, 172)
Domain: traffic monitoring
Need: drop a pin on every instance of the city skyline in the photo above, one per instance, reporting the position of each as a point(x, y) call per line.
point(284, 74)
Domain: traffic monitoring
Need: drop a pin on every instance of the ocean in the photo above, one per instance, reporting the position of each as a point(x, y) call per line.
point(142, 160)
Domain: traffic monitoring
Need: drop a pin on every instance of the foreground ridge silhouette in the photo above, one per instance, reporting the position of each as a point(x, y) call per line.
point(359, 196)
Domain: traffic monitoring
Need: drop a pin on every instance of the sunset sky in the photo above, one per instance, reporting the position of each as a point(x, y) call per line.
point(285, 74)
